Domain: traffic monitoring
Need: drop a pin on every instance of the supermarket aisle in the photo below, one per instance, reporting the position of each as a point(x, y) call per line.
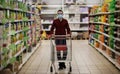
point(86, 60)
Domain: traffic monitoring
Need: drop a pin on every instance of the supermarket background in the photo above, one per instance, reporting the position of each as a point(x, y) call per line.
point(25, 27)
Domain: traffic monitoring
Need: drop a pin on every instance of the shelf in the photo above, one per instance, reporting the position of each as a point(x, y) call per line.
point(101, 33)
point(118, 11)
point(15, 32)
point(118, 33)
point(117, 47)
point(20, 51)
point(28, 20)
point(18, 42)
point(117, 20)
point(101, 13)
point(18, 31)
point(106, 35)
point(104, 24)
point(76, 13)
point(106, 46)
point(22, 20)
point(16, 9)
point(108, 57)
point(80, 5)
point(117, 6)
point(65, 5)
point(80, 29)
point(29, 55)
point(49, 13)
point(84, 13)
point(78, 22)
point(51, 6)
point(104, 13)
point(46, 22)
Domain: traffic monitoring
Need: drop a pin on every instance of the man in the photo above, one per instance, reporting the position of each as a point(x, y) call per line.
point(61, 27)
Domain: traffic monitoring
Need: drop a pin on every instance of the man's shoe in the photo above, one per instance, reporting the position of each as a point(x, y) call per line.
point(63, 65)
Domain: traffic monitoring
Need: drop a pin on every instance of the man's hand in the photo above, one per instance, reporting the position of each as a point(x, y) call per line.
point(51, 35)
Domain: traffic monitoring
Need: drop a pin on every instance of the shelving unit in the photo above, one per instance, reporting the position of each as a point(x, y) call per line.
point(19, 34)
point(77, 16)
point(80, 20)
point(104, 28)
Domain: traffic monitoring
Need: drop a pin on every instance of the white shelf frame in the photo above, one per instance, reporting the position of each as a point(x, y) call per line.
point(104, 24)
point(106, 46)
point(29, 55)
point(104, 13)
point(104, 54)
point(106, 35)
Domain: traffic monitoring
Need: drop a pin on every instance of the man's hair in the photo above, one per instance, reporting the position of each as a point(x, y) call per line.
point(60, 11)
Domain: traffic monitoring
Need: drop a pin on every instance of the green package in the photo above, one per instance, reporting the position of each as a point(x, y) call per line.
point(12, 60)
point(111, 42)
point(111, 18)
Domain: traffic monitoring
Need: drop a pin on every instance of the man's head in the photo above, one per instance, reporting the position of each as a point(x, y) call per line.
point(60, 14)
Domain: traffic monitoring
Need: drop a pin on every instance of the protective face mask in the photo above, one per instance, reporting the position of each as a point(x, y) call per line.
point(60, 16)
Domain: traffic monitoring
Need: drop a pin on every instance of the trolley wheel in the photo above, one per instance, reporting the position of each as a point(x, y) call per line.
point(70, 69)
point(51, 69)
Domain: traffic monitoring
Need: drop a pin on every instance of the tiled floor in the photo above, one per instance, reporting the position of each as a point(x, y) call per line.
point(86, 60)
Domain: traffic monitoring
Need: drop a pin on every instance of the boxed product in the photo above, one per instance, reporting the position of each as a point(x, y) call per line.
point(118, 59)
point(111, 5)
point(111, 42)
point(104, 7)
point(102, 28)
point(101, 38)
point(84, 9)
point(111, 18)
point(104, 18)
point(1, 15)
point(97, 44)
point(111, 32)
point(103, 47)
point(108, 51)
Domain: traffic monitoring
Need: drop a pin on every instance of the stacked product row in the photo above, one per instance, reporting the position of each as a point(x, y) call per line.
point(12, 4)
point(19, 34)
point(105, 30)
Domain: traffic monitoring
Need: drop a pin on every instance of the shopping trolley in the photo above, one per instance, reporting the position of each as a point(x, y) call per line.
point(61, 48)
